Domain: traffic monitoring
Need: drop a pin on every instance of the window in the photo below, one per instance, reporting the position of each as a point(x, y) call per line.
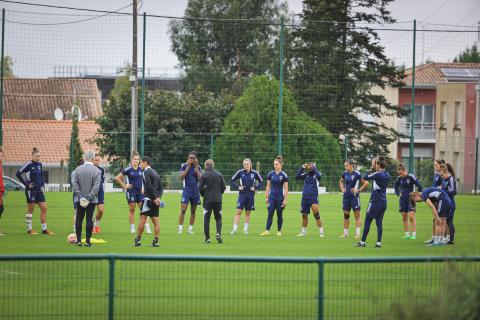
point(458, 115)
point(45, 176)
point(443, 115)
point(424, 114)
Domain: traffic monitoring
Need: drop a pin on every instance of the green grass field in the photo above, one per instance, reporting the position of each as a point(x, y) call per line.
point(205, 290)
point(115, 230)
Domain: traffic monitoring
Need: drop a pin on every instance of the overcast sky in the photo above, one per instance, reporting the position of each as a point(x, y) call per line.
point(105, 42)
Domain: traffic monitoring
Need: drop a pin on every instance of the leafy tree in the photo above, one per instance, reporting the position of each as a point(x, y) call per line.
point(425, 172)
point(175, 123)
point(215, 53)
point(470, 55)
point(334, 62)
point(250, 131)
point(76, 151)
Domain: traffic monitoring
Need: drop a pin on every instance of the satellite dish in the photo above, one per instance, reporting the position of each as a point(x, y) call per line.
point(79, 112)
point(58, 114)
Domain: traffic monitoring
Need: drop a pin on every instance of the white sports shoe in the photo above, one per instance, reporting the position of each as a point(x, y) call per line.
point(322, 235)
point(233, 232)
point(245, 231)
point(190, 232)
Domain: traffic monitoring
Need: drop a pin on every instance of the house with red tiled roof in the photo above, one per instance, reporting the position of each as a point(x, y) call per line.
point(39, 98)
point(51, 137)
point(445, 117)
point(37, 113)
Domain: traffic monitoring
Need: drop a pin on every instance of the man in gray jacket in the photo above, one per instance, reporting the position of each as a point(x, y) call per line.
point(85, 186)
point(211, 187)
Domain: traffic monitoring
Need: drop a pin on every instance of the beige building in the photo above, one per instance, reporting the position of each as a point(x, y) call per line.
point(446, 116)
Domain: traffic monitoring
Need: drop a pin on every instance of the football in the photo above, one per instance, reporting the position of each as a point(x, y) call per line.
point(72, 238)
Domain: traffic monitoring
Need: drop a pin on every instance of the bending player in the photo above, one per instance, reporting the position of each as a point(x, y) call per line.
point(440, 204)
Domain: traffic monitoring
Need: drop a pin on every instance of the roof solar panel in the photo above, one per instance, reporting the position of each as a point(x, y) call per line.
point(460, 72)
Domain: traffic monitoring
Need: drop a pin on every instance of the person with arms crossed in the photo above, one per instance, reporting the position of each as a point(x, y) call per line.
point(85, 185)
point(276, 194)
point(378, 200)
point(246, 194)
point(404, 185)
point(311, 177)
point(31, 175)
point(133, 189)
point(151, 203)
point(212, 186)
point(349, 185)
point(190, 173)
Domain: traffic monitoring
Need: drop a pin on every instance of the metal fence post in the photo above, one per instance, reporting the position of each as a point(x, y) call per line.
point(280, 96)
point(412, 109)
point(211, 145)
point(142, 101)
point(111, 286)
point(321, 265)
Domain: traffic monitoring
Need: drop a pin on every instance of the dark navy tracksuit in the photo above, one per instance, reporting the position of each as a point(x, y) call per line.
point(378, 203)
point(440, 200)
point(133, 177)
point(403, 186)
point(351, 201)
point(276, 197)
point(246, 197)
point(32, 173)
point(449, 185)
point(310, 187)
point(190, 193)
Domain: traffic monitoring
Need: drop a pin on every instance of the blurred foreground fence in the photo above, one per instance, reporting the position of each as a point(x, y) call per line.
point(182, 287)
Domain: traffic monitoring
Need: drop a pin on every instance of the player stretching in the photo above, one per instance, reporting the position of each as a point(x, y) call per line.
point(246, 194)
point(133, 189)
point(311, 177)
point(440, 204)
point(403, 187)
point(31, 175)
point(190, 173)
point(378, 200)
point(349, 185)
